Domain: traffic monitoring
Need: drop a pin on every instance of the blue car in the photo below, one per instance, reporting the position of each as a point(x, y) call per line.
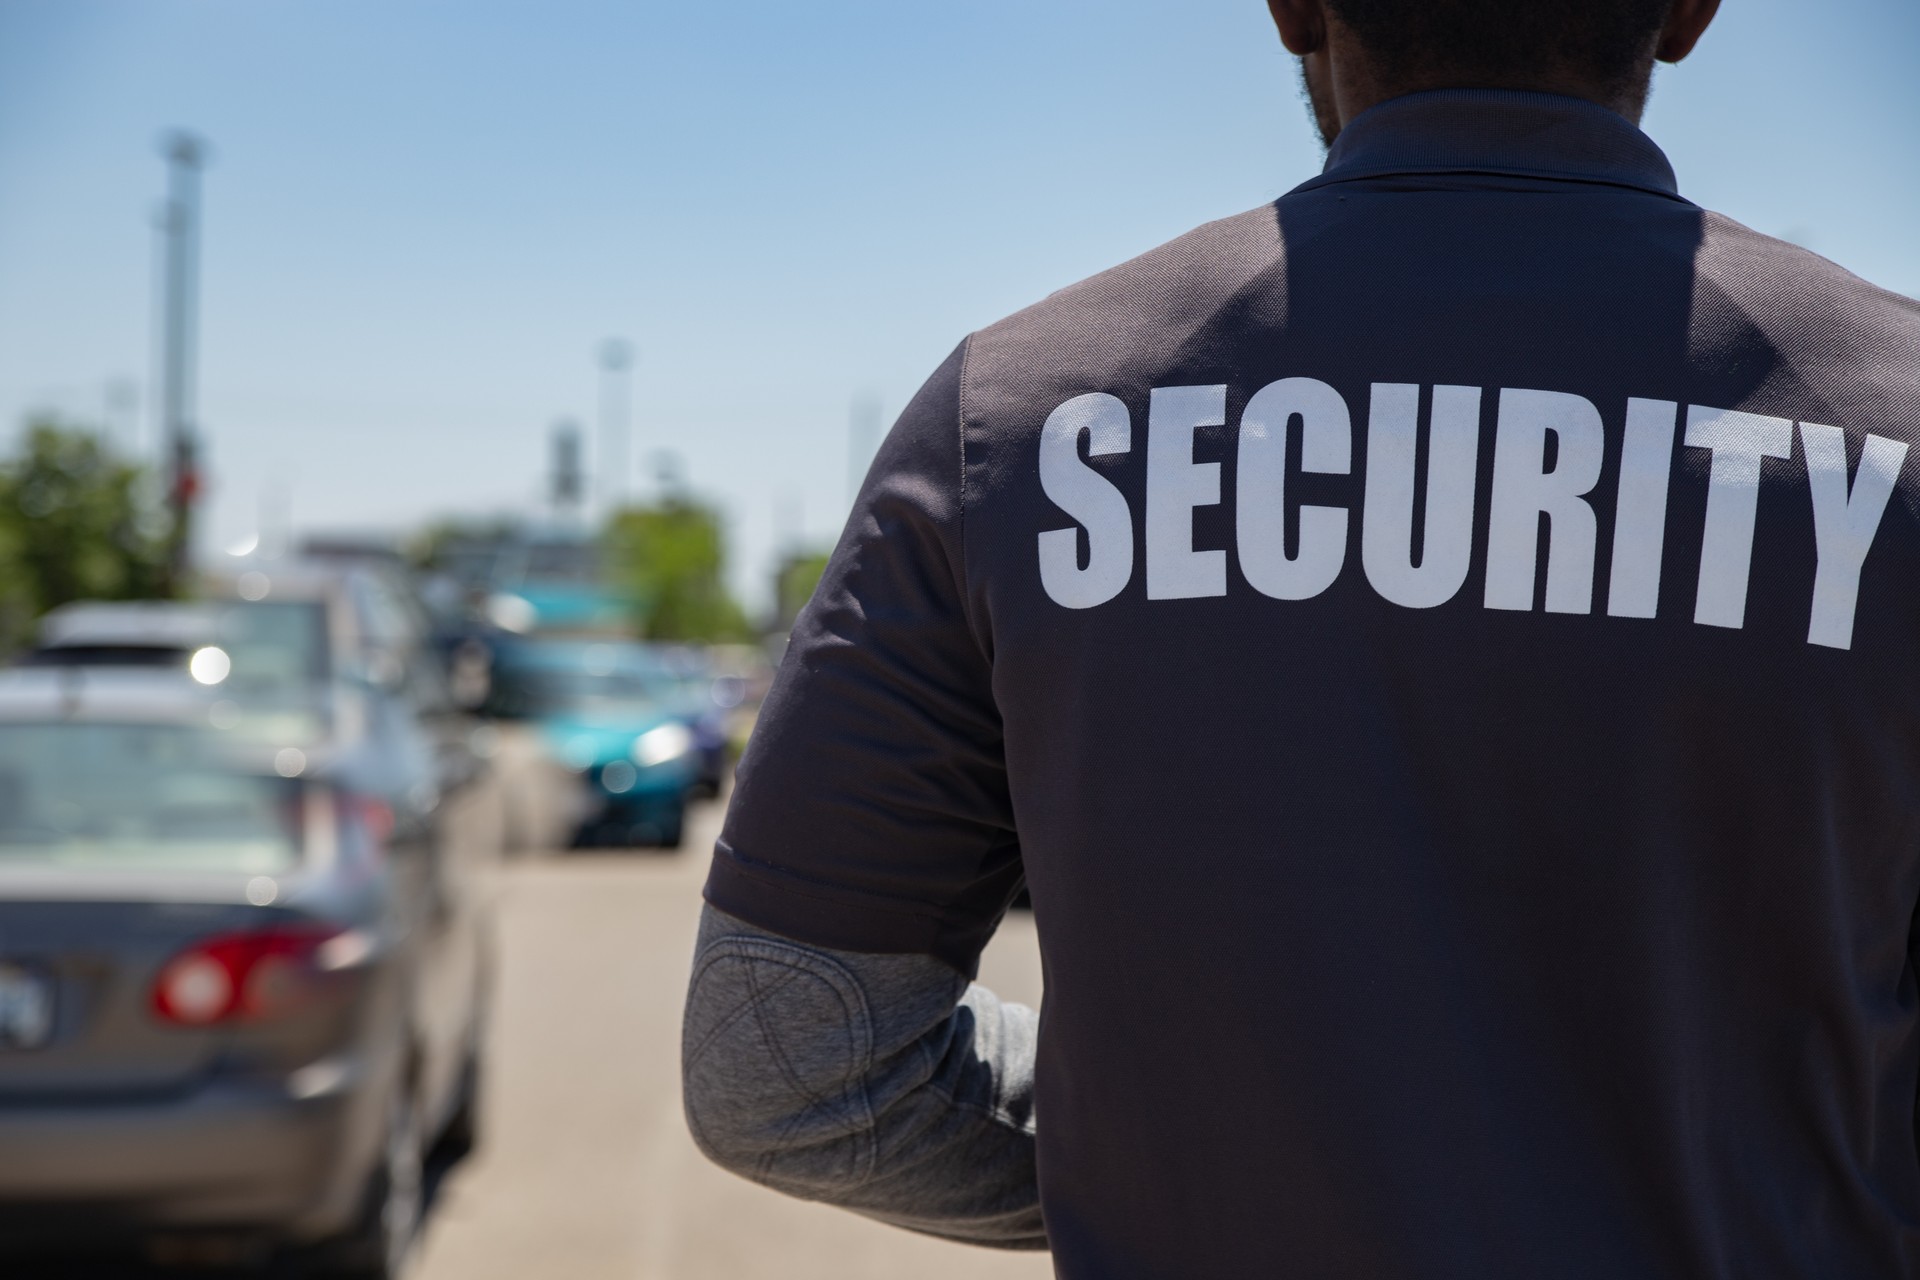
point(604, 710)
point(705, 702)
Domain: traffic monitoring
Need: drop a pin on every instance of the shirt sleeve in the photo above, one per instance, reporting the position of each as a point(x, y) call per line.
point(870, 811)
point(885, 1084)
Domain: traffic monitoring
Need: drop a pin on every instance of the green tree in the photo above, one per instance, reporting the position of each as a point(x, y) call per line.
point(75, 524)
point(669, 558)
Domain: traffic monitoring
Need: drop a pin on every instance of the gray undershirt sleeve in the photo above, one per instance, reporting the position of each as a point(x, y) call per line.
point(885, 1084)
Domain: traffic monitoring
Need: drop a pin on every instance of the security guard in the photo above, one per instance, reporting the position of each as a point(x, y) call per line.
point(1441, 651)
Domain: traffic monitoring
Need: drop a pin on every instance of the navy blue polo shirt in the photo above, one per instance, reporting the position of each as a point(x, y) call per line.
point(1443, 650)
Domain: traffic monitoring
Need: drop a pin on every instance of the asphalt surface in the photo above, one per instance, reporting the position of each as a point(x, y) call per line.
point(585, 1169)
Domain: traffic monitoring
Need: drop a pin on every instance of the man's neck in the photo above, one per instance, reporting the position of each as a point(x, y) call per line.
point(1344, 84)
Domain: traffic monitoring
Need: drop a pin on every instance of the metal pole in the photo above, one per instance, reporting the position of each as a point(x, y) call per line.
point(616, 361)
point(180, 226)
point(564, 480)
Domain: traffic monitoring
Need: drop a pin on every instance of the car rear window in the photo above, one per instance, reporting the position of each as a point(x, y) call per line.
point(150, 796)
point(278, 649)
point(541, 680)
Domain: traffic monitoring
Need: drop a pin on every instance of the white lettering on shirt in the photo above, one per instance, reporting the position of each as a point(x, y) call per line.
point(1386, 527)
point(1176, 484)
point(1844, 523)
point(1738, 441)
point(1088, 497)
point(1524, 490)
point(1846, 515)
point(1640, 510)
point(1326, 448)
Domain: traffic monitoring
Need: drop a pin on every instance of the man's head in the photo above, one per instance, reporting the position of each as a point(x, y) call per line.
point(1354, 53)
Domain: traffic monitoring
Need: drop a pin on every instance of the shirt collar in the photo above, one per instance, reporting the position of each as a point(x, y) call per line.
point(1543, 135)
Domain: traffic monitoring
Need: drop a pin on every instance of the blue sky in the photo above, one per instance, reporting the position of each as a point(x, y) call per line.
point(424, 215)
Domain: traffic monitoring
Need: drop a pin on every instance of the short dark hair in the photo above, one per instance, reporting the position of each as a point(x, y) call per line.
point(1497, 41)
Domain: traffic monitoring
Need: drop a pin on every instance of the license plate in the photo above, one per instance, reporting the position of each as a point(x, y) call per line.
point(26, 1007)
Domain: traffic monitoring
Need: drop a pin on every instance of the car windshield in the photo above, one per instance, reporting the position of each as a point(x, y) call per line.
point(586, 691)
point(146, 796)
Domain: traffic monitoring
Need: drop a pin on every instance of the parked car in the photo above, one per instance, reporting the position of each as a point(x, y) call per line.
point(705, 699)
point(136, 633)
point(608, 711)
point(242, 985)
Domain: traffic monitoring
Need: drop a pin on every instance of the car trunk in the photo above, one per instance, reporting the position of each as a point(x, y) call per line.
point(100, 956)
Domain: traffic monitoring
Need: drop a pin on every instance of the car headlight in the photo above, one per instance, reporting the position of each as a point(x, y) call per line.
point(659, 745)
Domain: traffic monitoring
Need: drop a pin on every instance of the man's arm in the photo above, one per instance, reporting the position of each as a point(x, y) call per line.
point(886, 1084)
point(834, 1048)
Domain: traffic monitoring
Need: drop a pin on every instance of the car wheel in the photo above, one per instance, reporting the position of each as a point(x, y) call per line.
point(673, 828)
point(461, 1134)
point(380, 1243)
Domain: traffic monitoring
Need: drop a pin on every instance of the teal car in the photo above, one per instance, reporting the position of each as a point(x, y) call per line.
point(607, 711)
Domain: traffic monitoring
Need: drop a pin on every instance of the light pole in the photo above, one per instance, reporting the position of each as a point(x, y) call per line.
point(180, 231)
point(564, 479)
point(616, 362)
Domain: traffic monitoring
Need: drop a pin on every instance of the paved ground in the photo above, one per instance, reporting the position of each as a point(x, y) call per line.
point(586, 1170)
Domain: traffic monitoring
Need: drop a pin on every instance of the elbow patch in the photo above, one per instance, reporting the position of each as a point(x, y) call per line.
point(775, 1054)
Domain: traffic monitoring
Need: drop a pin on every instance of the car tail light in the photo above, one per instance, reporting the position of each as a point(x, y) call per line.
point(374, 816)
point(242, 977)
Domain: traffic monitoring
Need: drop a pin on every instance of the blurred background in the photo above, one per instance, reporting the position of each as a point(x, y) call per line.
point(419, 425)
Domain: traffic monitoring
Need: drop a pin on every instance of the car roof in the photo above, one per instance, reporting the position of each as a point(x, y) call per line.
point(130, 624)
